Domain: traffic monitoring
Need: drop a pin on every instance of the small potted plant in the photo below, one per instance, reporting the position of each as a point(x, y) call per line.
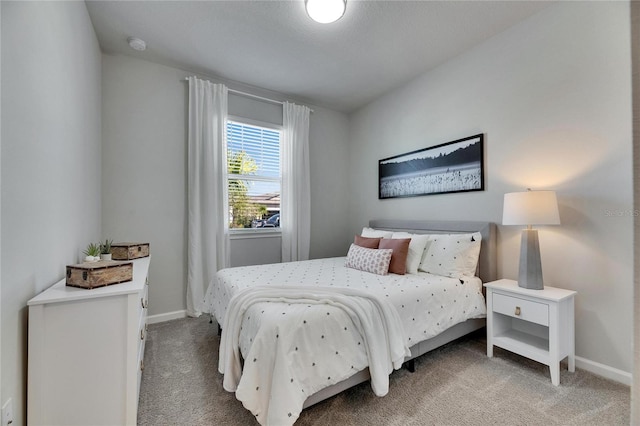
point(105, 250)
point(92, 253)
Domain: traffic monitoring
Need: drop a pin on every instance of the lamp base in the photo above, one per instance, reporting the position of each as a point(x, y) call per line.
point(530, 271)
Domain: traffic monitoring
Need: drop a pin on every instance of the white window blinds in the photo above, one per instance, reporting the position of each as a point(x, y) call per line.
point(254, 175)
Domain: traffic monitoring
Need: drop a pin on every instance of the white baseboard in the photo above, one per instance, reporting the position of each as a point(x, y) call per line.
point(604, 370)
point(153, 319)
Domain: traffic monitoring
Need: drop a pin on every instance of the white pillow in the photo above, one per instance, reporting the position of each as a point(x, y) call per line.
point(416, 249)
point(365, 259)
point(452, 255)
point(375, 233)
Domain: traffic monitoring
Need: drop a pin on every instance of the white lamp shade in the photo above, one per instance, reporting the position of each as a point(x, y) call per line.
point(325, 11)
point(530, 208)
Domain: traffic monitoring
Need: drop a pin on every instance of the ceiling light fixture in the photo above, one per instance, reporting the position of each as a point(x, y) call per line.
point(136, 44)
point(325, 11)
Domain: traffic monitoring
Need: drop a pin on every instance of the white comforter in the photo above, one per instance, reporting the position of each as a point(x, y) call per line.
point(281, 379)
point(322, 346)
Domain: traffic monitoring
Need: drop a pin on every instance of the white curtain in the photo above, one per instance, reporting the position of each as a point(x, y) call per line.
point(295, 202)
point(207, 235)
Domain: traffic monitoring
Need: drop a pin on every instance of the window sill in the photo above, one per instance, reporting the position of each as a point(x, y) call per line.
point(241, 234)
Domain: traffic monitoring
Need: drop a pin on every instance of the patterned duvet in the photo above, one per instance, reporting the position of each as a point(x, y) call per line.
point(322, 345)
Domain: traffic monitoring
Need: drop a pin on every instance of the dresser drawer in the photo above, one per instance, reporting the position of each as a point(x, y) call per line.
point(140, 369)
point(144, 301)
point(142, 331)
point(142, 342)
point(521, 308)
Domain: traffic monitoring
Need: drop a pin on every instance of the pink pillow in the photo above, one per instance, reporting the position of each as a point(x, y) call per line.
point(368, 260)
point(400, 248)
point(366, 242)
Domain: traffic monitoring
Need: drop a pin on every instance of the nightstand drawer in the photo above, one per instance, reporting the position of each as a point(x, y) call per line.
point(521, 308)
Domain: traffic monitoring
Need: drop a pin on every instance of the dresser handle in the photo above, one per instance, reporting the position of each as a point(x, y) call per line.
point(142, 301)
point(517, 310)
point(141, 334)
point(141, 365)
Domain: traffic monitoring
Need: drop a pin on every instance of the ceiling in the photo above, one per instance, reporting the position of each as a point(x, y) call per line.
point(270, 44)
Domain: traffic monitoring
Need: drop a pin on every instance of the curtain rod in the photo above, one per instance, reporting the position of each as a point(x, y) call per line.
point(250, 95)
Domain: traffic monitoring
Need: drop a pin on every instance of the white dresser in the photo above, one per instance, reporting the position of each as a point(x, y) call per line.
point(86, 351)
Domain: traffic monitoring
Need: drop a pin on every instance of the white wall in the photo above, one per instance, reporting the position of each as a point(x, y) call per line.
point(329, 157)
point(51, 112)
point(553, 97)
point(1, 398)
point(144, 174)
point(635, 66)
point(144, 192)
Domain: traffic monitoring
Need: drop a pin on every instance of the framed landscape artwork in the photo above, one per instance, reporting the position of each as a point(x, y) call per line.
point(456, 166)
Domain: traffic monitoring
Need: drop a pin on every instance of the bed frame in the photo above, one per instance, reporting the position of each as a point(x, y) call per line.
point(486, 271)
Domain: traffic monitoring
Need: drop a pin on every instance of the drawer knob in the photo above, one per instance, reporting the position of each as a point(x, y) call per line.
point(141, 334)
point(142, 301)
point(517, 311)
point(141, 365)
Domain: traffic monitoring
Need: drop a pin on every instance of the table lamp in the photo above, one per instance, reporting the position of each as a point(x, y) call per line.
point(530, 208)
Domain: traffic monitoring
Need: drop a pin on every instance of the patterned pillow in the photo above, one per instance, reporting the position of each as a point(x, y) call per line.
point(366, 242)
point(369, 260)
point(452, 255)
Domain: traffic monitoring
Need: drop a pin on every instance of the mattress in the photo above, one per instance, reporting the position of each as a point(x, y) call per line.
point(275, 390)
point(427, 304)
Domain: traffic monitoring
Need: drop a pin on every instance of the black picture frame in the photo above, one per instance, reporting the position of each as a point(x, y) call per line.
point(456, 166)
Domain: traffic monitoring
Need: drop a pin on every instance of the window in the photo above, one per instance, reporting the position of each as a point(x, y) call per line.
point(253, 159)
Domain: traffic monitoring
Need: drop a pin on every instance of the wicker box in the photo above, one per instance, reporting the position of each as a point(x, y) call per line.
point(99, 274)
point(128, 251)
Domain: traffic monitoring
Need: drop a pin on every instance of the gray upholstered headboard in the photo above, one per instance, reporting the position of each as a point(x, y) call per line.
point(487, 264)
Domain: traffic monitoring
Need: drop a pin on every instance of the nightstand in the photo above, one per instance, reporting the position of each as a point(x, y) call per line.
point(537, 324)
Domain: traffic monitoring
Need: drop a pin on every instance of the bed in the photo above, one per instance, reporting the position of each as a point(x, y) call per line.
point(295, 334)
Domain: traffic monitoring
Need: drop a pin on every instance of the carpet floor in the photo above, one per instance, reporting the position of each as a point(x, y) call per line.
point(454, 385)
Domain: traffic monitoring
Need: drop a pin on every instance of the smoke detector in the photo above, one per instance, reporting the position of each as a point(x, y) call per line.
point(137, 44)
